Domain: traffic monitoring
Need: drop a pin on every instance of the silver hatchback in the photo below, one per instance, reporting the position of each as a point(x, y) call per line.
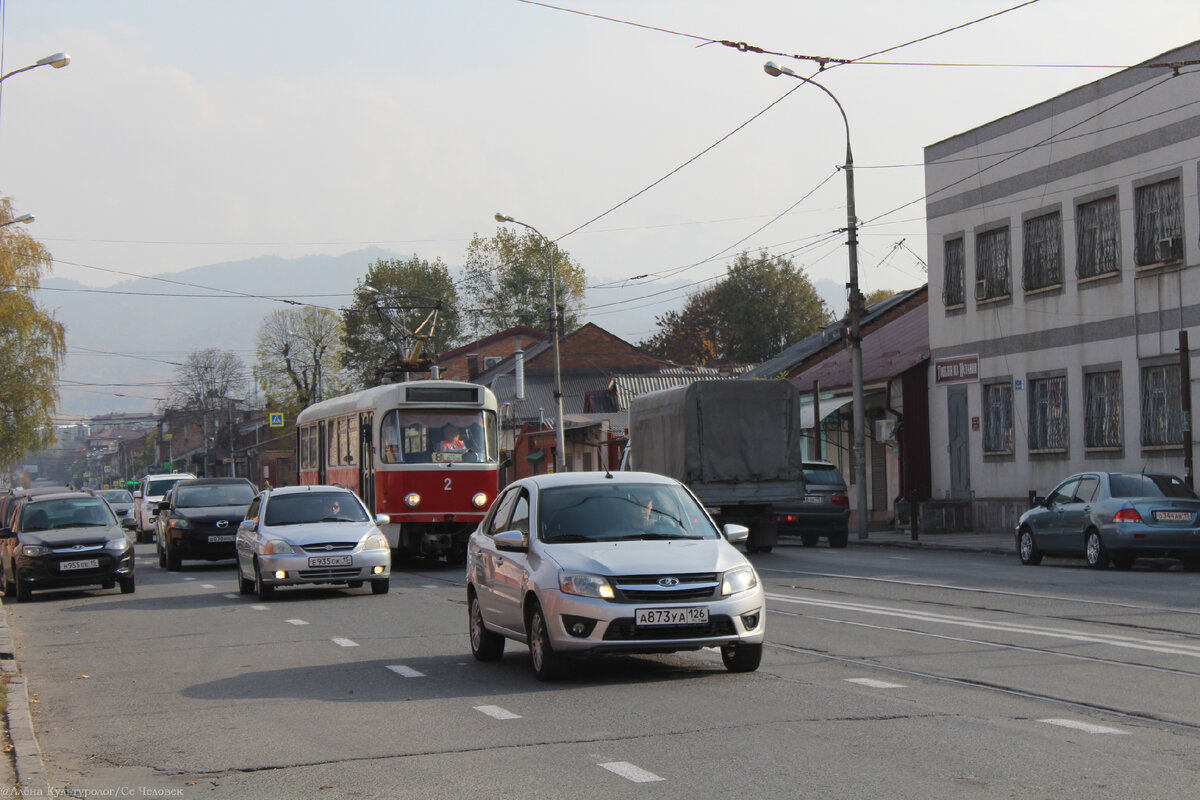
point(311, 534)
point(584, 563)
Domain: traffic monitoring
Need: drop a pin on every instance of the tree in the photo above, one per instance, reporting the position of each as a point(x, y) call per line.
point(207, 377)
point(32, 346)
point(299, 358)
point(877, 296)
point(397, 294)
point(506, 282)
point(762, 305)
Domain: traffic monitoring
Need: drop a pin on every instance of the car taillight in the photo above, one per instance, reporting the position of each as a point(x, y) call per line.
point(840, 499)
point(1127, 515)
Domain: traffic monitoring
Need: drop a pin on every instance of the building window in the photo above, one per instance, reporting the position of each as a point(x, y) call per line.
point(993, 276)
point(1102, 418)
point(997, 420)
point(953, 293)
point(1162, 406)
point(1159, 219)
point(1042, 264)
point(1097, 229)
point(1048, 414)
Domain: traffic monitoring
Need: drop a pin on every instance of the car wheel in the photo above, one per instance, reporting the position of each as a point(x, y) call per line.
point(245, 585)
point(127, 585)
point(24, 593)
point(173, 562)
point(740, 657)
point(485, 645)
point(547, 664)
point(10, 588)
point(262, 589)
point(839, 539)
point(1095, 551)
point(381, 585)
point(1027, 548)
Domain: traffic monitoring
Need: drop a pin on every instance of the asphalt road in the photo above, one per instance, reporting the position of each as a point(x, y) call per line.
point(888, 673)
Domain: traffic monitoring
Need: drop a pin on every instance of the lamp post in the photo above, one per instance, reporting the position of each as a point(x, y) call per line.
point(559, 439)
point(853, 310)
point(58, 61)
point(24, 218)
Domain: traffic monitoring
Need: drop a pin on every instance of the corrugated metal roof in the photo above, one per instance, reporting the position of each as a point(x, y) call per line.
point(630, 386)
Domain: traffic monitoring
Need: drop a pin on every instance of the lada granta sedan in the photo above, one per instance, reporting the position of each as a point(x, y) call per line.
point(311, 534)
point(587, 563)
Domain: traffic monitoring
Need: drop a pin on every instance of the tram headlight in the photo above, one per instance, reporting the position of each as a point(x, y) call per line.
point(480, 500)
point(412, 499)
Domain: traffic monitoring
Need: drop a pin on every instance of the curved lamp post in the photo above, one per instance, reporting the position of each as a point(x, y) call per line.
point(58, 61)
point(24, 218)
point(854, 307)
point(559, 439)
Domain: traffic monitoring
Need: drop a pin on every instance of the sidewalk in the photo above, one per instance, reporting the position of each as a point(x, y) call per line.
point(999, 543)
point(21, 765)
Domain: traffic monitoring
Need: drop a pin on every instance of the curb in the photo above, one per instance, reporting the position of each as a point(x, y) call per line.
point(27, 754)
point(921, 544)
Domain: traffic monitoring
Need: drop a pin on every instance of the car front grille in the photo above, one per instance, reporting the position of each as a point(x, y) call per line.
point(317, 548)
point(626, 630)
point(650, 589)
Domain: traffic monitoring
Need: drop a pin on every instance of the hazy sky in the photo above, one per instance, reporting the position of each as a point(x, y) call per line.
point(191, 132)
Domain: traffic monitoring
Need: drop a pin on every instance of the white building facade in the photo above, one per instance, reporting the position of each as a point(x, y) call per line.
point(1064, 263)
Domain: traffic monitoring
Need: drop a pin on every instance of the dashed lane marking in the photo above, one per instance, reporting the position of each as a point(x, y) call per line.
point(208, 586)
point(259, 608)
point(344, 642)
point(407, 672)
point(874, 684)
point(496, 712)
point(630, 772)
point(230, 596)
point(1086, 727)
point(295, 622)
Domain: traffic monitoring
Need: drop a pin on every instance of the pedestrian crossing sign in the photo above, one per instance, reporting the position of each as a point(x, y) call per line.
point(276, 420)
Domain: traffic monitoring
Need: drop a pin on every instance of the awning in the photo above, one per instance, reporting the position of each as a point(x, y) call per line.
point(829, 406)
point(536, 455)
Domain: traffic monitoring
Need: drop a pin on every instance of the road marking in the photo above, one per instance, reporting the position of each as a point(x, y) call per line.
point(1086, 727)
point(629, 772)
point(428, 586)
point(295, 622)
point(496, 712)
point(874, 684)
point(900, 558)
point(345, 642)
point(189, 579)
point(259, 608)
point(208, 586)
point(230, 596)
point(407, 672)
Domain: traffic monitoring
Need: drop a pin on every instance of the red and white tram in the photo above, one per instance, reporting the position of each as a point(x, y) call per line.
point(426, 453)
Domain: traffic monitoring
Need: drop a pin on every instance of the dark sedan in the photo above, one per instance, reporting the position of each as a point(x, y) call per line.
point(1113, 517)
point(199, 520)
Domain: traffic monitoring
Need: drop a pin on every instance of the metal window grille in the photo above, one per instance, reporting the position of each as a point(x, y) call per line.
point(953, 292)
point(1159, 216)
point(993, 277)
point(1048, 414)
point(1043, 251)
point(1097, 228)
point(1102, 417)
point(997, 426)
point(1162, 406)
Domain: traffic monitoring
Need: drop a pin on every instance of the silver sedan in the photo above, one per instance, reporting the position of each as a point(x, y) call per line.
point(311, 534)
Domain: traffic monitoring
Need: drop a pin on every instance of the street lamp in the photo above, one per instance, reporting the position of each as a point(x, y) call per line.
point(19, 220)
point(58, 61)
point(559, 440)
point(853, 310)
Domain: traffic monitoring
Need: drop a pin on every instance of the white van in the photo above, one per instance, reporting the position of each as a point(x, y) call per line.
point(146, 497)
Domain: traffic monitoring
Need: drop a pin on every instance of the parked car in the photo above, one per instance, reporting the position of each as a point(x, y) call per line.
point(825, 510)
point(148, 495)
point(309, 535)
point(198, 520)
point(1114, 517)
point(120, 501)
point(64, 539)
point(589, 562)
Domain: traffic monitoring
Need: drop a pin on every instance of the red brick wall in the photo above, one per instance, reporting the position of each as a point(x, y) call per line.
point(454, 366)
point(591, 348)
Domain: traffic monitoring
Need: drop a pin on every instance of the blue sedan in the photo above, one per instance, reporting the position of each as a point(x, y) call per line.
point(1113, 517)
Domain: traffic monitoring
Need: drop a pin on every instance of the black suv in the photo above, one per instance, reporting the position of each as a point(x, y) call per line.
point(825, 511)
point(63, 539)
point(199, 519)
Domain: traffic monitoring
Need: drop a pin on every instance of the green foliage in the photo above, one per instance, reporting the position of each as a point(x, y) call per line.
point(506, 282)
point(406, 292)
point(32, 346)
point(877, 296)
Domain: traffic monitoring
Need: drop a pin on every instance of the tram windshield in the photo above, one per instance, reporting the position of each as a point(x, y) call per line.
point(424, 436)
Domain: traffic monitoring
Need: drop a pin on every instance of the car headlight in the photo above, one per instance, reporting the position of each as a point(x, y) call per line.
point(375, 541)
point(738, 580)
point(179, 523)
point(277, 547)
point(35, 550)
point(584, 585)
point(118, 545)
point(480, 500)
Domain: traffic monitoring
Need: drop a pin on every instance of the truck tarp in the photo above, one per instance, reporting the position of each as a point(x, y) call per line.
point(719, 432)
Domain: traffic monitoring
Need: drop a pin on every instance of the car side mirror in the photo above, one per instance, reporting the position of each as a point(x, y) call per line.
point(736, 533)
point(1038, 501)
point(511, 540)
point(507, 461)
point(162, 505)
point(137, 495)
point(382, 519)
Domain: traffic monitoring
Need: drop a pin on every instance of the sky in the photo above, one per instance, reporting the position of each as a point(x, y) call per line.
point(191, 132)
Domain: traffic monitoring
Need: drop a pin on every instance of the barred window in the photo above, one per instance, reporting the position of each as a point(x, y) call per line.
point(953, 293)
point(1097, 231)
point(1048, 414)
point(1162, 406)
point(1159, 219)
point(993, 276)
point(997, 420)
point(1102, 417)
point(1042, 263)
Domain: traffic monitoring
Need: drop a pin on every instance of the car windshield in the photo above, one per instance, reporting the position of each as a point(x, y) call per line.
point(116, 496)
point(611, 512)
point(307, 507)
point(824, 474)
point(231, 494)
point(160, 487)
point(1145, 485)
point(77, 512)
